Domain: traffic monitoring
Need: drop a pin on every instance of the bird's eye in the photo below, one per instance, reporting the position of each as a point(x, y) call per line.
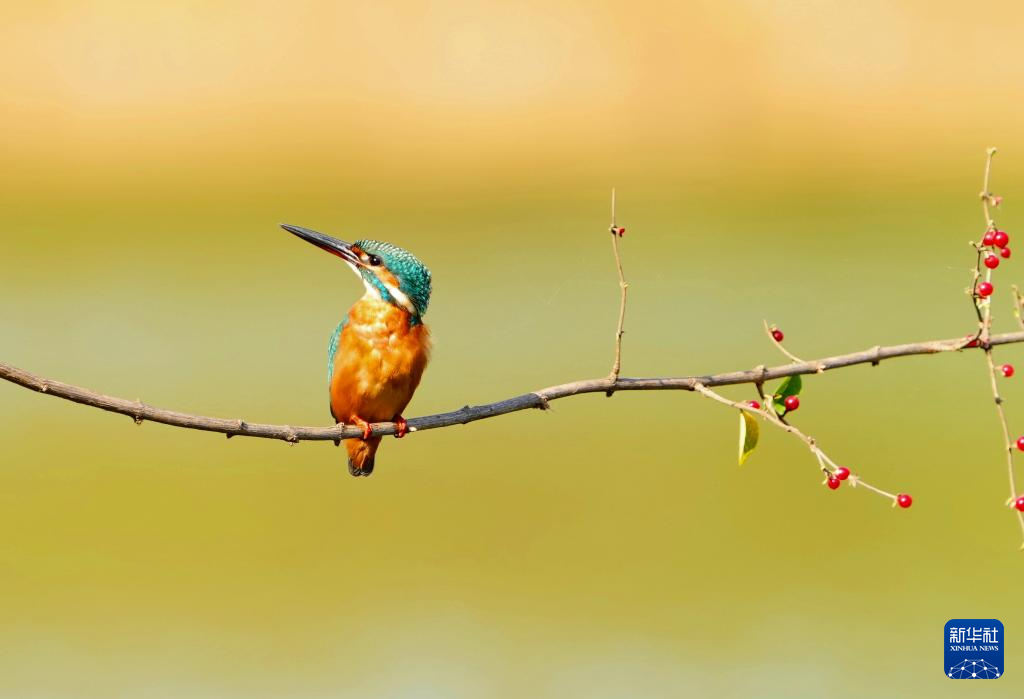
point(373, 260)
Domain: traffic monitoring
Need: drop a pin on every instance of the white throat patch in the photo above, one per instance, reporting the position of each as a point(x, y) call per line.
point(400, 297)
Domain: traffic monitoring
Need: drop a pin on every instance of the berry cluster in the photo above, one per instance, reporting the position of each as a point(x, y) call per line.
point(993, 246)
point(999, 239)
point(836, 478)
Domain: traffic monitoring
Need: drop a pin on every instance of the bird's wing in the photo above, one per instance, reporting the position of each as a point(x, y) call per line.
point(332, 348)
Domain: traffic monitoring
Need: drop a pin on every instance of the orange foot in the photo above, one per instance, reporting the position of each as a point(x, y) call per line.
point(360, 422)
point(401, 425)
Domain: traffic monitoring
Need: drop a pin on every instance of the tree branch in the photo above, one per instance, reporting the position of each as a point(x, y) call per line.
point(141, 412)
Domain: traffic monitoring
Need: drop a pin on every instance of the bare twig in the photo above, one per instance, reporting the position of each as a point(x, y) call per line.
point(986, 193)
point(782, 348)
point(537, 399)
point(767, 413)
point(1007, 443)
point(623, 286)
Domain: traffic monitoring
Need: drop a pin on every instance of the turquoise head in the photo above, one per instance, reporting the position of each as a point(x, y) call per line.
point(388, 271)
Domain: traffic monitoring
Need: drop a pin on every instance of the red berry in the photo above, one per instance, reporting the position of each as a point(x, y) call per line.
point(991, 261)
point(1020, 443)
point(842, 473)
point(985, 289)
point(973, 342)
point(1005, 253)
point(754, 404)
point(1019, 503)
point(620, 231)
point(1007, 370)
point(777, 334)
point(1000, 239)
point(904, 500)
point(791, 402)
point(834, 483)
point(989, 239)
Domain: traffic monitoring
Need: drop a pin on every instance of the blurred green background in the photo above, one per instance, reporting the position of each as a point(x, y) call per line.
point(815, 164)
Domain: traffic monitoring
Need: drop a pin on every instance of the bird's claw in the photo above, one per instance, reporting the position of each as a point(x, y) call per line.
point(360, 422)
point(401, 427)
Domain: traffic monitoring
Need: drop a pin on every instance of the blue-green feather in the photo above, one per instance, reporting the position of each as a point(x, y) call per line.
point(332, 347)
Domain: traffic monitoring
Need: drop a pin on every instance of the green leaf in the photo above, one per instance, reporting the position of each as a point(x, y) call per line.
point(749, 432)
point(790, 386)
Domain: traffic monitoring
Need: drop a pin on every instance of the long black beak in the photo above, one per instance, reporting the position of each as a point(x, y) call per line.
point(325, 242)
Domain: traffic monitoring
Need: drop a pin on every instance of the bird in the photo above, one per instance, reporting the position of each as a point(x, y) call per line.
point(378, 352)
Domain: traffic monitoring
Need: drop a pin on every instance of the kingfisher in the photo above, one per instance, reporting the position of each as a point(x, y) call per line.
point(377, 354)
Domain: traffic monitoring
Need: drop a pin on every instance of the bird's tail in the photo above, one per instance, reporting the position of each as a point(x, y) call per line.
point(361, 455)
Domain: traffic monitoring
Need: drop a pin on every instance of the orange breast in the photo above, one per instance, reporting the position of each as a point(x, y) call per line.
point(379, 362)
